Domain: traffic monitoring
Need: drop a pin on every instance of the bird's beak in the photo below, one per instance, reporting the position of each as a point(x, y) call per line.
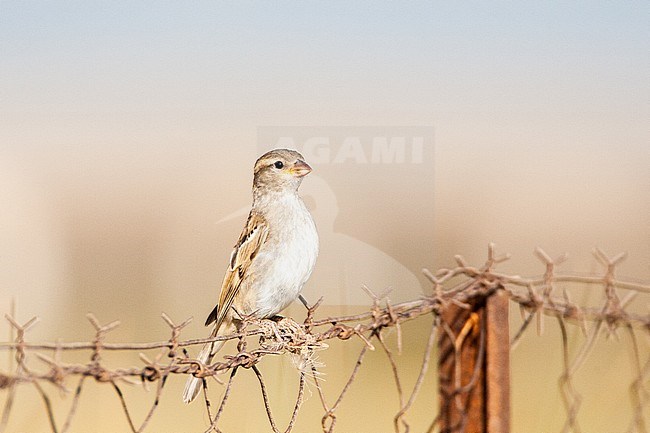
point(300, 169)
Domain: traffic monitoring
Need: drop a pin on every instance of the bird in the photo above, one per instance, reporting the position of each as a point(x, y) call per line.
point(273, 257)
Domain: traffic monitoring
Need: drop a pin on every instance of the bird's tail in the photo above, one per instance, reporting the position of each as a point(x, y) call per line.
point(193, 384)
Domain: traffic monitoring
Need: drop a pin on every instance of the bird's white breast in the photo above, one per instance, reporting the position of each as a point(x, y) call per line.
point(287, 258)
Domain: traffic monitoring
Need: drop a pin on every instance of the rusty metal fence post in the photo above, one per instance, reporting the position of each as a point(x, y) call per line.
point(474, 367)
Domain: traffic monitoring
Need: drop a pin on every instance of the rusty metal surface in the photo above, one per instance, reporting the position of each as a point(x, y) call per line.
point(498, 364)
point(473, 367)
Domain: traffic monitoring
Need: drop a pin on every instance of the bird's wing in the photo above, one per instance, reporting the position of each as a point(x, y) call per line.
point(250, 241)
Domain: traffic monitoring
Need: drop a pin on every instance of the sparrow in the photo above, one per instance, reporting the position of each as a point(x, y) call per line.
point(273, 258)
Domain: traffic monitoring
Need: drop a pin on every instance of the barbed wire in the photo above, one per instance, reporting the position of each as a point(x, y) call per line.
point(546, 295)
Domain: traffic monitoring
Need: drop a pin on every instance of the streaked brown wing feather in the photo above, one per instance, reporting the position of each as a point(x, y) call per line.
point(251, 239)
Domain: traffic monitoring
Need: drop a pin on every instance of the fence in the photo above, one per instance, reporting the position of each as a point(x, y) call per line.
point(469, 306)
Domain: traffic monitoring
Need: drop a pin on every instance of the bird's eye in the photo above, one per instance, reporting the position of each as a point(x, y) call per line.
point(278, 164)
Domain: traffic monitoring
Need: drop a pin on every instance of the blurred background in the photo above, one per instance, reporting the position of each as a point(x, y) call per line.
point(128, 133)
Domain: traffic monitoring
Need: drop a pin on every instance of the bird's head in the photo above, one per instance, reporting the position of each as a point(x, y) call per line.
point(280, 170)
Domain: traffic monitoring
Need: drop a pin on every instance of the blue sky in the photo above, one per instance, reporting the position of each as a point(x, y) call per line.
point(434, 56)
